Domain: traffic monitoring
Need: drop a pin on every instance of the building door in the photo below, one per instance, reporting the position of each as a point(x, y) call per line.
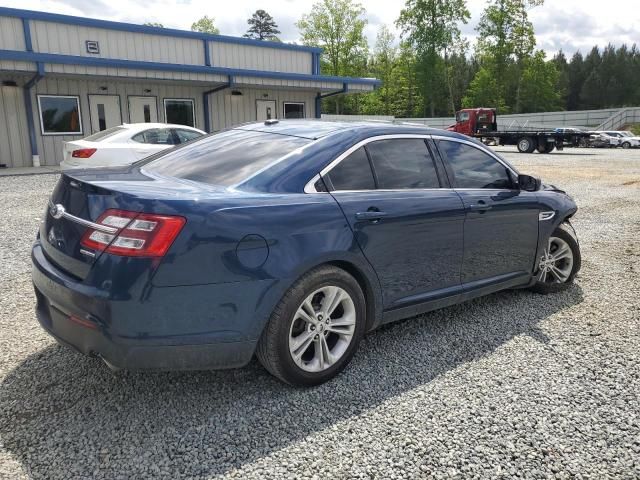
point(104, 111)
point(143, 110)
point(266, 110)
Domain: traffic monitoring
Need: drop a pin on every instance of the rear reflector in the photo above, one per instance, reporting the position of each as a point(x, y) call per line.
point(83, 153)
point(138, 235)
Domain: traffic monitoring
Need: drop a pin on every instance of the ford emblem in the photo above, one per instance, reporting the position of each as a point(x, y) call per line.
point(56, 211)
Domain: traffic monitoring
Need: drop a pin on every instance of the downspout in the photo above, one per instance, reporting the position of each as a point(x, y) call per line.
point(28, 104)
point(205, 102)
point(319, 97)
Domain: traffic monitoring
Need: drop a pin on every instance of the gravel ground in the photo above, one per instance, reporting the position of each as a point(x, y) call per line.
point(511, 385)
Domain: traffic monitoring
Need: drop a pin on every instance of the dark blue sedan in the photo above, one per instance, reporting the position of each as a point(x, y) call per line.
point(289, 240)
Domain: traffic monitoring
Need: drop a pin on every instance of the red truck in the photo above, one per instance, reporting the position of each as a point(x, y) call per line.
point(482, 123)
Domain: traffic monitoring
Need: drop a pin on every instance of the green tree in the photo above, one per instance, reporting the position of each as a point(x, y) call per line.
point(562, 67)
point(432, 28)
point(153, 24)
point(539, 85)
point(205, 25)
point(382, 65)
point(484, 90)
point(506, 38)
point(262, 26)
point(337, 26)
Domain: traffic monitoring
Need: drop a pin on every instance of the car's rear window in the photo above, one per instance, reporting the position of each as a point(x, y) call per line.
point(225, 159)
point(104, 134)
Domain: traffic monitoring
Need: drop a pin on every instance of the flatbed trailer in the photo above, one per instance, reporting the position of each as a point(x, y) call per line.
point(481, 123)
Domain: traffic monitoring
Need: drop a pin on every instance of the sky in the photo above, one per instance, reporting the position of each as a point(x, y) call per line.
point(569, 25)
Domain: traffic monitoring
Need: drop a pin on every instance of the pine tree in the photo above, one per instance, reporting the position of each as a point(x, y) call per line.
point(262, 26)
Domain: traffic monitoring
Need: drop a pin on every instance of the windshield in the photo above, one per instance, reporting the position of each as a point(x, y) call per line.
point(104, 134)
point(227, 158)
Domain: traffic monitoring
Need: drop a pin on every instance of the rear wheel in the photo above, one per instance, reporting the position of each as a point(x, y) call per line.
point(559, 263)
point(526, 145)
point(546, 148)
point(315, 329)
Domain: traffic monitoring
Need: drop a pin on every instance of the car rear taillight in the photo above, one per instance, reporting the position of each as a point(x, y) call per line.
point(138, 234)
point(83, 152)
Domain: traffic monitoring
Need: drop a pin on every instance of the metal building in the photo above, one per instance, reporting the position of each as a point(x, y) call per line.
point(63, 78)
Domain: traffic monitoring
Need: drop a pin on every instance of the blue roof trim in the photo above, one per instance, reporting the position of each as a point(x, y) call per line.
point(16, 55)
point(131, 27)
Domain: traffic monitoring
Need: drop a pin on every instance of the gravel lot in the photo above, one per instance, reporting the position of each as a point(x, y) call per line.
point(511, 385)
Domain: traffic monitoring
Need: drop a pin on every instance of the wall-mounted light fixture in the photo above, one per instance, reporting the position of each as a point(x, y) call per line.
point(103, 89)
point(147, 90)
point(265, 95)
point(9, 83)
point(236, 92)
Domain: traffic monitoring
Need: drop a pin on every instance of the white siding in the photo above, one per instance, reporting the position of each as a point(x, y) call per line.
point(134, 73)
point(11, 34)
point(228, 110)
point(11, 66)
point(253, 57)
point(49, 37)
point(14, 139)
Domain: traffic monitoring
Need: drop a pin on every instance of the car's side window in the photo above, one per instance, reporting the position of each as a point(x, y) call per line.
point(403, 163)
point(473, 168)
point(186, 135)
point(353, 173)
point(155, 136)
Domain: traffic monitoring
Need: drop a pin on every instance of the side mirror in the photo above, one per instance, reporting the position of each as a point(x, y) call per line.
point(529, 183)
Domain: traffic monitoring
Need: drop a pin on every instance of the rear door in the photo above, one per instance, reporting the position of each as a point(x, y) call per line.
point(501, 226)
point(408, 225)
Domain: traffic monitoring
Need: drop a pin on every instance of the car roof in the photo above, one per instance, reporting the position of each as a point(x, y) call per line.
point(316, 129)
point(145, 126)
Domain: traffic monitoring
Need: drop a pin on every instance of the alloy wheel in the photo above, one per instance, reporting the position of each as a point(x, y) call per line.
point(322, 329)
point(556, 263)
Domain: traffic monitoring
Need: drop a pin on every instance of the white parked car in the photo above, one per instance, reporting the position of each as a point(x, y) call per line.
point(604, 139)
point(125, 144)
point(627, 139)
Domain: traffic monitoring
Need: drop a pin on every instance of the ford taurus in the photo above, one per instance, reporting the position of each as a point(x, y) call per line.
point(289, 241)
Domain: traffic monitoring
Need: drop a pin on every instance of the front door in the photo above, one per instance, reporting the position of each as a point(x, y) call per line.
point(104, 111)
point(143, 110)
point(265, 110)
point(408, 227)
point(501, 226)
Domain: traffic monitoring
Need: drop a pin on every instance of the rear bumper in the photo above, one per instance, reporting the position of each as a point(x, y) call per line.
point(87, 319)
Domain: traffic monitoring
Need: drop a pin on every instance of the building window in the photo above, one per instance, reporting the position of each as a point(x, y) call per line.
point(60, 115)
point(293, 110)
point(179, 111)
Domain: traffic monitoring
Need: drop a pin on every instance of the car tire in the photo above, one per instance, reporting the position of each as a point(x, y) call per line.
point(526, 145)
point(333, 335)
point(547, 148)
point(626, 145)
point(559, 262)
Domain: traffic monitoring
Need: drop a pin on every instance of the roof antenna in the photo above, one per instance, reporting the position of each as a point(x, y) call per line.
point(271, 121)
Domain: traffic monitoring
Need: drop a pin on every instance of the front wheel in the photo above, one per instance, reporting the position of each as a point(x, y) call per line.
point(315, 329)
point(626, 145)
point(559, 263)
point(526, 145)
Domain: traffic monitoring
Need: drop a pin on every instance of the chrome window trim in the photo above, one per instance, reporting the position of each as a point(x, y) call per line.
point(58, 211)
point(310, 188)
point(478, 147)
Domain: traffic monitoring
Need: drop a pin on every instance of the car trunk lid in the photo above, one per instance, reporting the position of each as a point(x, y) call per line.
point(73, 206)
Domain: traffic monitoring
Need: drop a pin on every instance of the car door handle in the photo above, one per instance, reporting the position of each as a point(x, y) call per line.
point(479, 207)
point(370, 215)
